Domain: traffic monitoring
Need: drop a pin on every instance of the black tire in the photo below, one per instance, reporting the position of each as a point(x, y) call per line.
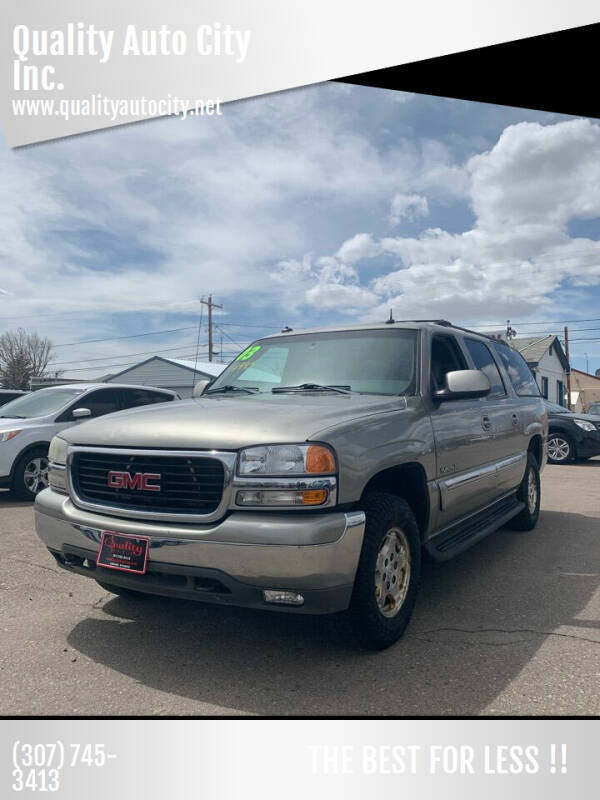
point(564, 445)
point(527, 519)
point(25, 486)
point(122, 591)
point(390, 522)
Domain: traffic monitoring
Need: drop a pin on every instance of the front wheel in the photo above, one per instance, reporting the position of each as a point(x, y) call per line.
point(560, 448)
point(31, 474)
point(388, 574)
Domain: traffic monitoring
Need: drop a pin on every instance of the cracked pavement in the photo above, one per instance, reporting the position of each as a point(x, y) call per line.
point(510, 627)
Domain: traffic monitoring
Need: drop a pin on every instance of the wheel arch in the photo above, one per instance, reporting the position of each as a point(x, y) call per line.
point(28, 448)
point(408, 481)
point(536, 448)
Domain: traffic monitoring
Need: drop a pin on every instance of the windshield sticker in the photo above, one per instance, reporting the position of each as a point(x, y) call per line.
point(248, 352)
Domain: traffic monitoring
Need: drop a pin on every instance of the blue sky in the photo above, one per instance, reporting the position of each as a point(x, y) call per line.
point(313, 206)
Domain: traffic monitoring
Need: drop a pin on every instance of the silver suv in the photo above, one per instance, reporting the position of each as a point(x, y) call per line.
point(309, 476)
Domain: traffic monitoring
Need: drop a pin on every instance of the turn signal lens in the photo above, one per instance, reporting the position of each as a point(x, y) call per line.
point(319, 459)
point(314, 497)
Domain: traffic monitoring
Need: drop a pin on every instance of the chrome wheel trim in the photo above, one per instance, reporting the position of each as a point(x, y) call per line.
point(392, 572)
point(532, 492)
point(35, 474)
point(558, 449)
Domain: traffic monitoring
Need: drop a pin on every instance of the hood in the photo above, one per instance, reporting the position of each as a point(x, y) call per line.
point(595, 418)
point(15, 422)
point(229, 423)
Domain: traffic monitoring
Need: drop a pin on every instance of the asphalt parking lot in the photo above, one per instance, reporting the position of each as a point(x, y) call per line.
point(510, 627)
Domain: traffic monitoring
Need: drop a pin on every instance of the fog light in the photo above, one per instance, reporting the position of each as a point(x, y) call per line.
point(284, 497)
point(283, 598)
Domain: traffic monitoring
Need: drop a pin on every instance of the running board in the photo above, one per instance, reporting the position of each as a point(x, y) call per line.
point(462, 535)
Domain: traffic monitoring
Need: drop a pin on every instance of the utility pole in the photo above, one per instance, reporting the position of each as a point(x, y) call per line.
point(569, 368)
point(210, 305)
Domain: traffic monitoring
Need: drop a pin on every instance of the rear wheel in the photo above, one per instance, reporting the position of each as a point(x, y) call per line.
point(560, 448)
point(31, 474)
point(388, 573)
point(530, 494)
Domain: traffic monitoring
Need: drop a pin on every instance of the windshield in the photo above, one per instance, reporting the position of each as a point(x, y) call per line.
point(39, 404)
point(594, 408)
point(556, 409)
point(369, 362)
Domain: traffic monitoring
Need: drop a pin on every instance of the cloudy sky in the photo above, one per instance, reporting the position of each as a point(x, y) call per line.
point(313, 206)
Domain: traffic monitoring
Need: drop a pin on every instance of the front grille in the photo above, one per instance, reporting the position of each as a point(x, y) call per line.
point(188, 484)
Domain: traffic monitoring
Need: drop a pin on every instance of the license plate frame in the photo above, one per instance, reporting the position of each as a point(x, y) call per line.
point(123, 552)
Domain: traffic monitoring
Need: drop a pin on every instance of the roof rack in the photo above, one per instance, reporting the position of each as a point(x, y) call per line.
point(446, 324)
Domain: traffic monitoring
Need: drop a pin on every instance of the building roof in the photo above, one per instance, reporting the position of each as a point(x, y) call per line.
point(533, 348)
point(210, 368)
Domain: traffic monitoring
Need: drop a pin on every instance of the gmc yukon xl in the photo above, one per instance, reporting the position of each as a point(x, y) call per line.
point(309, 477)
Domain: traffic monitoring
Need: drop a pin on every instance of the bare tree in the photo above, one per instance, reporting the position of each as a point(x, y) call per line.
point(22, 356)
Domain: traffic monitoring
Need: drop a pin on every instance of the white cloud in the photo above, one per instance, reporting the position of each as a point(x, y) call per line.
point(524, 192)
point(409, 207)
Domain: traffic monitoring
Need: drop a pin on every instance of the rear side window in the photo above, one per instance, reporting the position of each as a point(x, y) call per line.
point(519, 373)
point(484, 360)
point(132, 398)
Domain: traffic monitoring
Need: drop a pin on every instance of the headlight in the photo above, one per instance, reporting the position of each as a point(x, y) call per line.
point(287, 459)
point(5, 436)
point(586, 426)
point(58, 451)
point(57, 460)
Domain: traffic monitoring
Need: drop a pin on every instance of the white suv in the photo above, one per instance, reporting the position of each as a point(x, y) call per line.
point(28, 423)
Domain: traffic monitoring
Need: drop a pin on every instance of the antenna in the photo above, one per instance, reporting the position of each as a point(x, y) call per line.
point(391, 320)
point(287, 329)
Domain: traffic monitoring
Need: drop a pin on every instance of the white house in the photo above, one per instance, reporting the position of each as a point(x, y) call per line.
point(168, 373)
point(548, 362)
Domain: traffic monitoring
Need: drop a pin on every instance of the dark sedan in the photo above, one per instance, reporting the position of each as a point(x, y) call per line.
point(6, 395)
point(571, 435)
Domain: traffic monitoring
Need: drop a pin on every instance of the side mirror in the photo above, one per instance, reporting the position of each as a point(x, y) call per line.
point(464, 384)
point(80, 413)
point(200, 387)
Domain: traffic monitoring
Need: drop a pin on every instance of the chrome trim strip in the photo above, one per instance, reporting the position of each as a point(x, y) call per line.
point(469, 477)
point(227, 459)
point(510, 461)
point(298, 483)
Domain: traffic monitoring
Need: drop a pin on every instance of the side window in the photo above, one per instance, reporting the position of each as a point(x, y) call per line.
point(545, 388)
point(103, 401)
point(519, 373)
point(132, 398)
point(484, 360)
point(445, 357)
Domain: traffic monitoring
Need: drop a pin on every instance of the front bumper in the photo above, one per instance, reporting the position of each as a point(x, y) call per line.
point(229, 562)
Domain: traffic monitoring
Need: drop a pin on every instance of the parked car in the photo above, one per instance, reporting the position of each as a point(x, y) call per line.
point(27, 425)
point(571, 436)
point(593, 408)
point(6, 395)
point(308, 476)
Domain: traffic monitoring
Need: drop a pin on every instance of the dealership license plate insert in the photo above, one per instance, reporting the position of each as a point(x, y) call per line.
point(123, 552)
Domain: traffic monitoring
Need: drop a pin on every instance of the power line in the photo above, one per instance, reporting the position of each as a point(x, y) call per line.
point(125, 355)
point(131, 336)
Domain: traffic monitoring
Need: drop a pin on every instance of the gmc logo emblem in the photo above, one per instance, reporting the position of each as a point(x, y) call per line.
point(140, 481)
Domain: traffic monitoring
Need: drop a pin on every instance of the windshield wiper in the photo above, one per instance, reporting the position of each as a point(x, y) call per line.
point(230, 387)
point(312, 387)
point(12, 416)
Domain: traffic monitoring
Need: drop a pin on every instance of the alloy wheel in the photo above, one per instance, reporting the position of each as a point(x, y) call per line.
point(392, 572)
point(558, 449)
point(35, 474)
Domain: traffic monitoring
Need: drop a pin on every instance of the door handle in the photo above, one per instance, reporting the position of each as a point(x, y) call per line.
point(515, 419)
point(486, 423)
